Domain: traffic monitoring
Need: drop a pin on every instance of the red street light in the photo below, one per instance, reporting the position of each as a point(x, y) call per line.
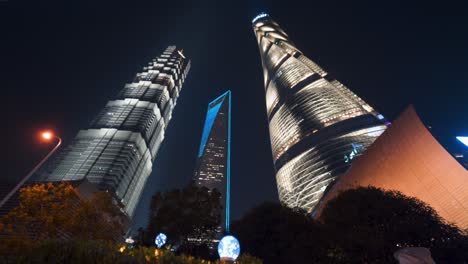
point(46, 135)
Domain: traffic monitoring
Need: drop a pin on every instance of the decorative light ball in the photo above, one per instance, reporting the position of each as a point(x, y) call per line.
point(229, 248)
point(160, 240)
point(130, 242)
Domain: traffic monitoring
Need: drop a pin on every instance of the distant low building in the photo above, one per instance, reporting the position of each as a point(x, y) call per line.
point(408, 159)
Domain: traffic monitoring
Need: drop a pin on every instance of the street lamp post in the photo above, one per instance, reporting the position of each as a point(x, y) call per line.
point(47, 136)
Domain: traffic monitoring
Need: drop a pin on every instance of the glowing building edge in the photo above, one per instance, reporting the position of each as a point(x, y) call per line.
point(262, 15)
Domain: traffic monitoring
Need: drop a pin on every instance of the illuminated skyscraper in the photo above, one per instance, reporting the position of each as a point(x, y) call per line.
point(213, 162)
point(116, 152)
point(317, 125)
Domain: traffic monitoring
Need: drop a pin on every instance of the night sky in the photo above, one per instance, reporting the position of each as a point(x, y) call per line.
point(61, 62)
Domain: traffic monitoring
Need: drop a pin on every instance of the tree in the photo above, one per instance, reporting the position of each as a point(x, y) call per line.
point(74, 251)
point(248, 259)
point(193, 212)
point(278, 234)
point(367, 225)
point(102, 252)
point(56, 211)
point(364, 225)
point(98, 218)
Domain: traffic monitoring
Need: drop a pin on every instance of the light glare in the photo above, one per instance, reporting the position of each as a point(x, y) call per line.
point(46, 135)
point(463, 140)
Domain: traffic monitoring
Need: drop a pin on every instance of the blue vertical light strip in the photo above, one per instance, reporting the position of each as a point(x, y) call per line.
point(228, 179)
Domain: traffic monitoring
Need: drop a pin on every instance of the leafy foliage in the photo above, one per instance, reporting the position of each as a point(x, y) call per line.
point(106, 252)
point(191, 212)
point(73, 251)
point(279, 234)
point(365, 225)
point(52, 211)
point(98, 218)
point(370, 224)
point(40, 210)
point(248, 259)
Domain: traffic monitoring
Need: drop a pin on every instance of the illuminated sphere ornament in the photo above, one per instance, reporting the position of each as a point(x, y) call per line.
point(129, 240)
point(160, 240)
point(130, 243)
point(229, 248)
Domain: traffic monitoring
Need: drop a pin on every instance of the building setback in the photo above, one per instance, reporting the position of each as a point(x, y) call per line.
point(117, 150)
point(408, 159)
point(213, 159)
point(317, 125)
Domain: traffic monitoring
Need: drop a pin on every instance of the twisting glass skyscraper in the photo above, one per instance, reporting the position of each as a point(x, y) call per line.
point(117, 150)
point(317, 125)
point(213, 161)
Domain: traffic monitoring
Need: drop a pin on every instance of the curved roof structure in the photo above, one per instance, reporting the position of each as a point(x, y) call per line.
point(407, 158)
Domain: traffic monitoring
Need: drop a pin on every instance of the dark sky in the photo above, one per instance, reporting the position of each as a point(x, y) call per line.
point(61, 62)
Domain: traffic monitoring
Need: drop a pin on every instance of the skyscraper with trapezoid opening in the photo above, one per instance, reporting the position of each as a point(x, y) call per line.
point(213, 159)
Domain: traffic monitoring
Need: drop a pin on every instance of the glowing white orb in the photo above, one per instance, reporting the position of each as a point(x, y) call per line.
point(229, 248)
point(160, 240)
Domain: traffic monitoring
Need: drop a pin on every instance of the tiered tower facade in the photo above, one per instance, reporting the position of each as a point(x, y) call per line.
point(317, 125)
point(116, 152)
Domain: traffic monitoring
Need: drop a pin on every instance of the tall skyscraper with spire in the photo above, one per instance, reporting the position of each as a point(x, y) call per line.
point(317, 125)
point(213, 159)
point(116, 152)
